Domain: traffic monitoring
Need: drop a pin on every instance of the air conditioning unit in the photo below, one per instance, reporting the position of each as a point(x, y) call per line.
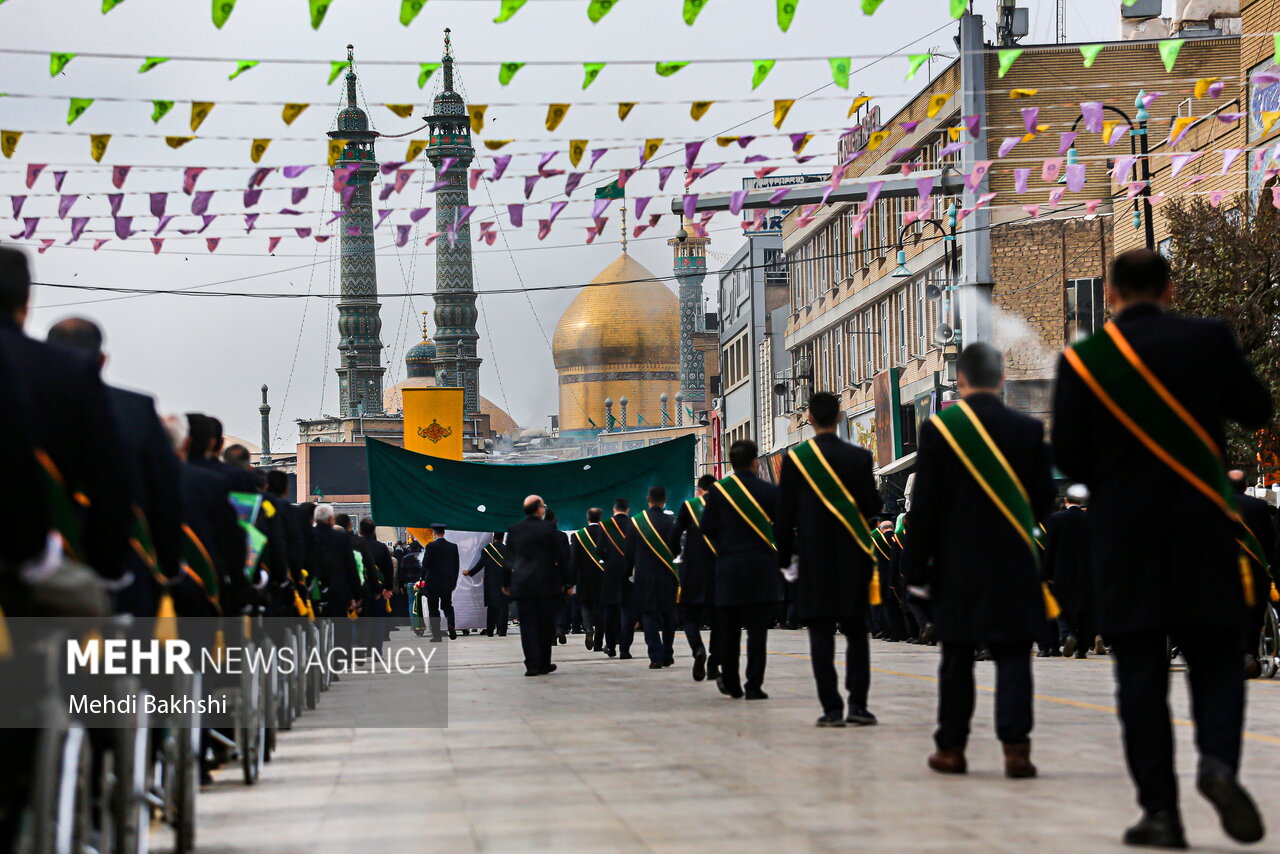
point(1142, 9)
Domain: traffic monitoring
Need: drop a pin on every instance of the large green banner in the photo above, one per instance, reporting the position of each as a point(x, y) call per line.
point(415, 490)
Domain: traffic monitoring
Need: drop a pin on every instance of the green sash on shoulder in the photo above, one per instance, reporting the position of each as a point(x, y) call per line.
point(810, 461)
point(61, 506)
point(491, 550)
point(583, 536)
point(697, 506)
point(621, 535)
point(654, 541)
point(741, 500)
point(198, 564)
point(882, 545)
point(1118, 377)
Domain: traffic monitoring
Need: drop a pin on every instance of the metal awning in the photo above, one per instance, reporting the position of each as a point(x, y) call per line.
point(900, 464)
point(850, 190)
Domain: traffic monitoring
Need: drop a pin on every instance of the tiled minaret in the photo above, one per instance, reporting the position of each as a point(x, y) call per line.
point(450, 152)
point(359, 320)
point(690, 263)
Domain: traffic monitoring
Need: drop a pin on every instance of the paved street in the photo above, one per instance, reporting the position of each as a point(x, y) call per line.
point(608, 756)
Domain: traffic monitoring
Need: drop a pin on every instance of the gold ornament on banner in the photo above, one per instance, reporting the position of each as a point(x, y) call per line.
point(780, 110)
point(624, 110)
point(416, 147)
point(476, 112)
point(292, 111)
point(577, 148)
point(258, 149)
point(401, 110)
point(98, 145)
point(698, 109)
point(9, 141)
point(556, 114)
point(199, 112)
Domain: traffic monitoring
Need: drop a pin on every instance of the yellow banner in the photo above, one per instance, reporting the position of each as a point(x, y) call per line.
point(433, 422)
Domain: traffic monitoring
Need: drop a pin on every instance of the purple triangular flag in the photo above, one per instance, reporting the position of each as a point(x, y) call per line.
point(664, 172)
point(78, 224)
point(302, 232)
point(596, 154)
point(690, 206)
point(744, 141)
point(529, 181)
point(337, 215)
point(297, 194)
point(402, 178)
point(599, 207)
point(58, 178)
point(1075, 177)
point(418, 213)
point(736, 200)
point(33, 172)
point(294, 171)
point(1020, 177)
point(206, 220)
point(1091, 112)
point(386, 192)
point(115, 199)
point(189, 176)
point(572, 181)
point(516, 212)
point(259, 175)
point(924, 187)
point(642, 202)
point(17, 202)
point(123, 230)
point(250, 222)
point(1030, 115)
point(382, 216)
point(556, 208)
point(118, 174)
point(691, 150)
point(1065, 141)
point(251, 197)
point(64, 205)
point(158, 203)
point(974, 125)
point(164, 221)
point(402, 234)
point(500, 164)
point(200, 201)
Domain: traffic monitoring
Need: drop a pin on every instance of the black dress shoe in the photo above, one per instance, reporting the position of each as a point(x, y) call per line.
point(700, 667)
point(655, 665)
point(1240, 818)
point(609, 651)
point(669, 662)
point(756, 694)
point(551, 668)
point(453, 635)
point(590, 639)
point(1044, 653)
point(734, 691)
point(713, 669)
point(561, 638)
point(624, 655)
point(831, 719)
point(533, 673)
point(1070, 645)
point(861, 717)
point(1161, 829)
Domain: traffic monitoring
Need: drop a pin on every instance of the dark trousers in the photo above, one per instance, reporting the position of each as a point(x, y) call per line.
point(612, 624)
point(857, 662)
point(538, 630)
point(1081, 625)
point(592, 624)
point(1215, 675)
point(627, 626)
point(437, 602)
point(919, 610)
point(370, 628)
point(495, 619)
point(659, 634)
point(956, 693)
point(755, 618)
point(692, 619)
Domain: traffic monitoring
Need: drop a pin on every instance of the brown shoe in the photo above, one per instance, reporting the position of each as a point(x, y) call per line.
point(949, 760)
point(1017, 761)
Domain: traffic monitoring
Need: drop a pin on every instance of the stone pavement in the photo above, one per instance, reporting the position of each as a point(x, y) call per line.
point(608, 756)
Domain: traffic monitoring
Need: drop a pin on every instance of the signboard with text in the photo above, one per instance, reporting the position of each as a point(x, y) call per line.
point(773, 217)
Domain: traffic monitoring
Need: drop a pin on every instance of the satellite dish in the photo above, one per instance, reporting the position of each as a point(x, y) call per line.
point(932, 293)
point(944, 334)
point(780, 389)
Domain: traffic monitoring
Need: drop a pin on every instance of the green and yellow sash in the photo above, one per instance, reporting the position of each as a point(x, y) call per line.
point(612, 521)
point(198, 564)
point(491, 549)
point(741, 500)
point(963, 431)
point(1113, 371)
point(583, 536)
point(654, 541)
point(61, 505)
point(697, 505)
point(882, 545)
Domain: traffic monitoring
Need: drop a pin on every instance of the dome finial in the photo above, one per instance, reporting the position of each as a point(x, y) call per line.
point(425, 336)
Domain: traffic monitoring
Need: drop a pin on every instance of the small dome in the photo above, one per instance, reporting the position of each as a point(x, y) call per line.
point(353, 118)
point(418, 361)
point(637, 322)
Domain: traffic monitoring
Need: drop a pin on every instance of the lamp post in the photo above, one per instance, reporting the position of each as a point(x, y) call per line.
point(951, 262)
point(1140, 148)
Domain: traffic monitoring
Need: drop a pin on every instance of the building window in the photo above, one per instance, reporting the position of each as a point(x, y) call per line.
point(736, 360)
point(900, 300)
point(1165, 247)
point(775, 267)
point(883, 351)
point(1086, 311)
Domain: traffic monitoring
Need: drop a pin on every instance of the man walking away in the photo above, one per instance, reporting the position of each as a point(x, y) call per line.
point(982, 487)
point(537, 577)
point(1068, 567)
point(493, 562)
point(440, 568)
point(588, 572)
point(697, 578)
point(619, 615)
point(657, 586)
point(828, 496)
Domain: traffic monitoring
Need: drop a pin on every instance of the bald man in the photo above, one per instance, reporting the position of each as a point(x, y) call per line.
point(538, 574)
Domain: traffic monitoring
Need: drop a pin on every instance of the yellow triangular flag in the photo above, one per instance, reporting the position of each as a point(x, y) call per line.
point(726, 141)
point(177, 141)
point(292, 111)
point(698, 109)
point(476, 112)
point(1203, 84)
point(258, 149)
point(857, 102)
point(199, 112)
point(651, 147)
point(577, 148)
point(953, 134)
point(555, 115)
point(401, 110)
point(936, 103)
point(624, 110)
point(1108, 128)
point(335, 151)
point(9, 141)
point(780, 110)
point(1180, 125)
point(496, 144)
point(98, 145)
point(1269, 119)
point(416, 147)
point(874, 141)
point(1022, 93)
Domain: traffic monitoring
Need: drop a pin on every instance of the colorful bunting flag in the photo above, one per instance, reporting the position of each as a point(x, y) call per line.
point(577, 148)
point(572, 181)
point(475, 112)
point(509, 8)
point(786, 12)
point(76, 108)
point(698, 109)
point(958, 8)
point(151, 62)
point(780, 110)
point(65, 203)
point(500, 164)
point(335, 68)
point(650, 148)
point(1090, 53)
point(98, 145)
point(857, 102)
point(425, 70)
point(590, 71)
point(599, 8)
point(258, 149)
point(9, 141)
point(1169, 50)
point(1051, 169)
point(189, 177)
point(869, 6)
point(222, 10)
point(840, 71)
point(292, 111)
point(936, 103)
point(319, 8)
point(555, 115)
point(409, 10)
point(666, 69)
point(876, 139)
point(159, 109)
point(118, 175)
point(762, 69)
point(1180, 127)
point(58, 61)
point(241, 67)
point(78, 224)
point(1020, 177)
point(507, 70)
point(624, 109)
point(1091, 112)
point(693, 8)
point(401, 110)
point(199, 112)
point(1007, 58)
point(914, 61)
point(416, 147)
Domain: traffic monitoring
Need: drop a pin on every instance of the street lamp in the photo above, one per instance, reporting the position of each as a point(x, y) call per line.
point(1139, 147)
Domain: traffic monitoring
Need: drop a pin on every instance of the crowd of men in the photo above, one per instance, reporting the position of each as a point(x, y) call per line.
point(980, 564)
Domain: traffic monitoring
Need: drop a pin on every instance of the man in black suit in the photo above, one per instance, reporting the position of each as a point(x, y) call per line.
point(378, 589)
point(537, 578)
point(980, 569)
point(440, 569)
point(654, 575)
point(619, 612)
point(834, 568)
point(747, 592)
point(154, 478)
point(1256, 514)
point(1068, 567)
point(339, 576)
point(588, 573)
point(70, 419)
point(697, 579)
point(1167, 568)
point(492, 561)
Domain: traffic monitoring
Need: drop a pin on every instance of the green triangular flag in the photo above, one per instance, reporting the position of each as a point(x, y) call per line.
point(1090, 53)
point(426, 69)
point(241, 67)
point(507, 70)
point(1008, 57)
point(77, 107)
point(1169, 53)
point(599, 8)
point(591, 70)
point(108, 5)
point(336, 67)
point(869, 6)
point(319, 8)
point(666, 69)
point(409, 10)
point(692, 8)
point(1276, 59)
point(840, 71)
point(151, 62)
point(958, 8)
point(159, 109)
point(222, 10)
point(763, 67)
point(916, 60)
point(509, 8)
point(58, 61)
point(786, 11)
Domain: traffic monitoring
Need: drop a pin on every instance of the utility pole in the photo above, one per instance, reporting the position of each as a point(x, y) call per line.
point(974, 292)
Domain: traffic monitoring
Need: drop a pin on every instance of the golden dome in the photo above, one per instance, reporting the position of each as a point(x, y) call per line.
point(620, 324)
point(499, 421)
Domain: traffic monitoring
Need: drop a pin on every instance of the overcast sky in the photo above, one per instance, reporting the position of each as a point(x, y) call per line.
point(213, 353)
